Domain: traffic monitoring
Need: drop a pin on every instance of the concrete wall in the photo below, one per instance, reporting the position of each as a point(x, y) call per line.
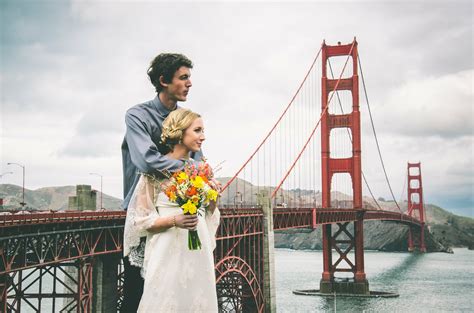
point(85, 199)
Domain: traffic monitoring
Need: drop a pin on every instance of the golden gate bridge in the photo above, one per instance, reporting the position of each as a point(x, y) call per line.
point(71, 261)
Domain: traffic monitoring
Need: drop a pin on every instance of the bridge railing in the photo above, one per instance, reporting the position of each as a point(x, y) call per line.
point(44, 217)
point(37, 239)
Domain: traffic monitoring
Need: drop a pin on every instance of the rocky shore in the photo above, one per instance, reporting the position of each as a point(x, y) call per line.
point(378, 235)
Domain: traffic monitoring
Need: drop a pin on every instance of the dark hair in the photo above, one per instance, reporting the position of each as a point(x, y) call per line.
point(163, 148)
point(166, 64)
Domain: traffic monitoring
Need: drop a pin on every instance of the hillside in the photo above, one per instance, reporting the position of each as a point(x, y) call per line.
point(48, 198)
point(445, 229)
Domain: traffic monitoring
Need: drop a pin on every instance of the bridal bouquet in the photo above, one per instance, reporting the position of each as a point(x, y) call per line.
point(192, 189)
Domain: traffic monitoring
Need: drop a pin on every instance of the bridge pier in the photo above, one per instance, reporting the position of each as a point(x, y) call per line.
point(269, 291)
point(104, 282)
point(416, 239)
point(358, 285)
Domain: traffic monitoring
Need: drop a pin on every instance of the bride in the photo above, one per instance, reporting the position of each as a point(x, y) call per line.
point(176, 279)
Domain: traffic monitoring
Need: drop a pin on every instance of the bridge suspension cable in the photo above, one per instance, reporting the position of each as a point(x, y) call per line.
point(316, 126)
point(402, 194)
point(276, 123)
point(375, 134)
point(350, 137)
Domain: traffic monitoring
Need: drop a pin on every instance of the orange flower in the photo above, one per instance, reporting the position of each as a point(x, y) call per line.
point(204, 178)
point(191, 191)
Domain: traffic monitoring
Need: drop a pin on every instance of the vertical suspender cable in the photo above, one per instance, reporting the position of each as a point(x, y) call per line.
point(278, 121)
point(375, 134)
point(324, 111)
point(350, 137)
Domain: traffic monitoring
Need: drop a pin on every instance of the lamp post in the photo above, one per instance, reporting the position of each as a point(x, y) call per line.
point(23, 203)
point(101, 177)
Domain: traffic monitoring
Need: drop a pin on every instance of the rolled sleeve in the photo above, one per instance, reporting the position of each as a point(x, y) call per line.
point(143, 151)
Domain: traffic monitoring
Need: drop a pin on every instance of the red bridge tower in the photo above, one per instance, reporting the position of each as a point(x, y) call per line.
point(343, 240)
point(416, 207)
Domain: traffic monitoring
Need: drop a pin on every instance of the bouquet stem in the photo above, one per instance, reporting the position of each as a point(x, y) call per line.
point(194, 243)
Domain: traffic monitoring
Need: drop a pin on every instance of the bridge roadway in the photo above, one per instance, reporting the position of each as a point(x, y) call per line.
point(33, 239)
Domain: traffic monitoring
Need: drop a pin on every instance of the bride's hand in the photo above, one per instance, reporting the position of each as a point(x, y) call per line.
point(186, 221)
point(211, 207)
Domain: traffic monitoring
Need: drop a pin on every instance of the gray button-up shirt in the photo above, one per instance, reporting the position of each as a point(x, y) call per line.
point(139, 148)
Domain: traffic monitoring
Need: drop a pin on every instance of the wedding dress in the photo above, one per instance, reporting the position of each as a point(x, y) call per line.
point(176, 279)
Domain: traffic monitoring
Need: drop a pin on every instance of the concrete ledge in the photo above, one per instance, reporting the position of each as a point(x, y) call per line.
point(372, 294)
point(344, 285)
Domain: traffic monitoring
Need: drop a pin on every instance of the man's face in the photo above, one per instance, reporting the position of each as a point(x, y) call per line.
point(179, 87)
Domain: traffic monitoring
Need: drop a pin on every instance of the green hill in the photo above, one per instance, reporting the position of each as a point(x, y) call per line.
point(445, 229)
point(48, 198)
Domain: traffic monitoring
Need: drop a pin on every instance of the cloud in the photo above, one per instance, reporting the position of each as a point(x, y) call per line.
point(71, 69)
point(435, 52)
point(98, 134)
point(433, 106)
point(92, 146)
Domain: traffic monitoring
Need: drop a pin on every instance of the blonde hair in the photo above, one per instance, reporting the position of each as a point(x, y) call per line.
point(175, 125)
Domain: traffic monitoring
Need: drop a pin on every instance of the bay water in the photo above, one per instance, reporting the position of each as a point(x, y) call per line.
point(428, 282)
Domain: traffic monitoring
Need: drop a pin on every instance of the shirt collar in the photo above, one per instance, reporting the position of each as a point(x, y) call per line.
point(160, 107)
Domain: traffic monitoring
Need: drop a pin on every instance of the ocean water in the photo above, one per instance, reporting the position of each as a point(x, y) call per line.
point(430, 282)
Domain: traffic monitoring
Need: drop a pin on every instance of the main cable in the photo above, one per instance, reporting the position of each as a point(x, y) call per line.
point(324, 111)
point(350, 137)
point(277, 122)
point(375, 133)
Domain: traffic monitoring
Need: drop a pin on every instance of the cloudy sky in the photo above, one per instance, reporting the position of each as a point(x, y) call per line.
point(70, 70)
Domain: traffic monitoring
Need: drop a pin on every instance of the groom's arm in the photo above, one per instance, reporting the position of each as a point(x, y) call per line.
point(197, 156)
point(143, 151)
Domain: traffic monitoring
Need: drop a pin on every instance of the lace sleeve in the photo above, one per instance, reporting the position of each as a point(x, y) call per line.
point(141, 214)
point(212, 222)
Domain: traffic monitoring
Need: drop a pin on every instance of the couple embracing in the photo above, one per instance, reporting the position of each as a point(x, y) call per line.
point(170, 198)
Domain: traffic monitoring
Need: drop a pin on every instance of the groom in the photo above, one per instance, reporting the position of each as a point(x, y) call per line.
point(170, 74)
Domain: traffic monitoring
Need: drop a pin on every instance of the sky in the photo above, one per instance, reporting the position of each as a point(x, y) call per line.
point(70, 69)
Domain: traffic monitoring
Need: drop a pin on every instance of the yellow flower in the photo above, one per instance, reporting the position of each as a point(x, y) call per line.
point(198, 182)
point(189, 207)
point(212, 195)
point(182, 177)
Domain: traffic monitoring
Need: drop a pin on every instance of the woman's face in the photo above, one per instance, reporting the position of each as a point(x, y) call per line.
point(194, 135)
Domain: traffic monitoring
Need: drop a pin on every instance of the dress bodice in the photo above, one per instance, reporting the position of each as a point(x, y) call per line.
point(165, 207)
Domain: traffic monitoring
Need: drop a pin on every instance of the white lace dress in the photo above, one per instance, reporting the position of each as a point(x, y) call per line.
point(176, 279)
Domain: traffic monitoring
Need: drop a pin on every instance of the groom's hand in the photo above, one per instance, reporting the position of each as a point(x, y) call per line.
point(187, 221)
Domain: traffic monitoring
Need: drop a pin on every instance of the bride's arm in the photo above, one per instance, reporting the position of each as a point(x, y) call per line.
point(182, 221)
point(212, 220)
point(211, 207)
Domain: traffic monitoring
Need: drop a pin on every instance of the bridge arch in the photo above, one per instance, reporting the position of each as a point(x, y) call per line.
point(238, 286)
